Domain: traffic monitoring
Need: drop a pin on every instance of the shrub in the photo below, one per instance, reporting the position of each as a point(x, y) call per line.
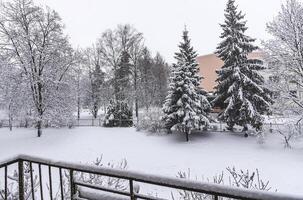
point(118, 115)
point(237, 178)
point(151, 121)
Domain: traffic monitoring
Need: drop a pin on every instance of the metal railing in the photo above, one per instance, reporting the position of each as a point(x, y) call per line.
point(216, 191)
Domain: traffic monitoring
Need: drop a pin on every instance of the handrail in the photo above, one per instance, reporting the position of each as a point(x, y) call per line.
point(215, 190)
point(207, 188)
point(9, 161)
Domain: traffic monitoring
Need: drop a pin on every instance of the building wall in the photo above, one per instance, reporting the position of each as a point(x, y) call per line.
point(208, 65)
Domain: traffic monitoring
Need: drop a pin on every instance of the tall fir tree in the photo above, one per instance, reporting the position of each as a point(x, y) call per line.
point(122, 77)
point(240, 85)
point(186, 106)
point(97, 79)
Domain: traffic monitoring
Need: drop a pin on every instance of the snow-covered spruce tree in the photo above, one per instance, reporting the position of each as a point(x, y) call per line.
point(185, 108)
point(240, 85)
point(122, 82)
point(118, 114)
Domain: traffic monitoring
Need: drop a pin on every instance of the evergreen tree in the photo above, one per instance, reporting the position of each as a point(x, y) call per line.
point(122, 77)
point(97, 79)
point(147, 80)
point(185, 108)
point(161, 73)
point(240, 86)
point(118, 114)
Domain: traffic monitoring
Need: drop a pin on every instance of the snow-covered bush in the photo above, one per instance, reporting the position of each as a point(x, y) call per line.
point(261, 138)
point(110, 182)
point(246, 179)
point(151, 121)
point(289, 133)
point(98, 180)
point(118, 115)
point(214, 127)
point(236, 178)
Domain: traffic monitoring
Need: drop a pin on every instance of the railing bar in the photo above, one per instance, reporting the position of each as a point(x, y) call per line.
point(40, 181)
point(50, 181)
point(61, 184)
point(84, 171)
point(3, 164)
point(32, 180)
point(142, 196)
point(91, 186)
point(5, 182)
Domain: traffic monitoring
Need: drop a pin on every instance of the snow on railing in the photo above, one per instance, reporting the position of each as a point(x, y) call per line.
point(77, 192)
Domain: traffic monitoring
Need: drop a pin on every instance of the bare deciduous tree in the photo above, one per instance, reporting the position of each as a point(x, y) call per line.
point(32, 37)
point(285, 56)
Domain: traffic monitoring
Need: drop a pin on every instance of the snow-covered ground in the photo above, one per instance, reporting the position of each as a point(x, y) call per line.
point(206, 154)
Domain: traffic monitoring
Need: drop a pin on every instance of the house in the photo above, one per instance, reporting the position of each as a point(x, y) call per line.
point(208, 65)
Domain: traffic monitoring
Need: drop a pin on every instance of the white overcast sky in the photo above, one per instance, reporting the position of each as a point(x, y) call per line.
point(161, 21)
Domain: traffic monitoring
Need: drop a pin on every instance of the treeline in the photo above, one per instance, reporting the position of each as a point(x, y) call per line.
point(45, 81)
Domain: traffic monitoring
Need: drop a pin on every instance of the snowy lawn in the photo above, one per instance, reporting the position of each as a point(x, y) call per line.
point(207, 154)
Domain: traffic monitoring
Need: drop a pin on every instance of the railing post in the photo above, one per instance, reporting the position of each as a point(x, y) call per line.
point(21, 179)
point(131, 190)
point(5, 182)
point(72, 184)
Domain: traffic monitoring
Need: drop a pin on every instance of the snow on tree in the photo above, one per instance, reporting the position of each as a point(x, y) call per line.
point(118, 114)
point(112, 44)
point(284, 55)
point(94, 82)
point(32, 37)
point(240, 86)
point(11, 86)
point(122, 83)
point(146, 81)
point(160, 73)
point(186, 107)
point(153, 73)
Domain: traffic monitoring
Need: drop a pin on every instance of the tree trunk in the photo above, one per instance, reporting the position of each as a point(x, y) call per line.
point(26, 123)
point(10, 120)
point(187, 134)
point(245, 129)
point(39, 127)
point(136, 94)
point(40, 109)
point(95, 111)
point(137, 109)
point(78, 98)
point(78, 105)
